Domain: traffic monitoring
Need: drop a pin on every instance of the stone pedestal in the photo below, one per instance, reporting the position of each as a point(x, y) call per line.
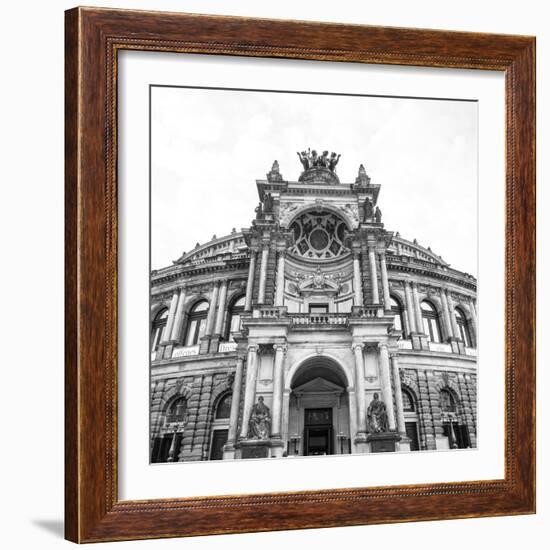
point(419, 341)
point(214, 344)
point(383, 442)
point(404, 445)
point(204, 344)
point(258, 448)
point(361, 443)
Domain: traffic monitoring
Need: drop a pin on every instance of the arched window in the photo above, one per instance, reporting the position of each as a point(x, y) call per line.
point(235, 311)
point(223, 410)
point(159, 323)
point(177, 411)
point(196, 325)
point(447, 401)
point(408, 401)
point(431, 321)
point(463, 327)
point(397, 311)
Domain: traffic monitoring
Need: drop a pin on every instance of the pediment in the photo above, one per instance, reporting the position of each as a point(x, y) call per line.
point(318, 385)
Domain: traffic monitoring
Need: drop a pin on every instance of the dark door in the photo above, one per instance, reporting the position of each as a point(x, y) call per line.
point(318, 432)
point(219, 439)
point(412, 433)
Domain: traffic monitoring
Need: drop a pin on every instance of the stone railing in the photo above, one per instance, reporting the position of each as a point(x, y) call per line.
point(404, 344)
point(269, 312)
point(318, 318)
point(225, 347)
point(439, 346)
point(185, 351)
point(367, 312)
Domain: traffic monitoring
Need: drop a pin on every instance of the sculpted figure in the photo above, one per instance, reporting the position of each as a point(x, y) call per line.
point(377, 417)
point(304, 160)
point(259, 211)
point(314, 158)
point(369, 210)
point(333, 161)
point(268, 203)
point(324, 160)
point(259, 426)
point(378, 215)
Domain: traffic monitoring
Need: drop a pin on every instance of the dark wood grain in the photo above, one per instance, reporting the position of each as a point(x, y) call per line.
point(93, 38)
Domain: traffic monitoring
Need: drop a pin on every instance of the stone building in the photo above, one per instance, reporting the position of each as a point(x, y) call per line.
point(273, 341)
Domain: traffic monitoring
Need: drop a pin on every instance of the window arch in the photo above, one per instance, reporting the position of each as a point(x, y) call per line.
point(447, 401)
point(196, 324)
point(430, 318)
point(159, 322)
point(397, 311)
point(463, 327)
point(177, 411)
point(223, 408)
point(235, 312)
point(408, 401)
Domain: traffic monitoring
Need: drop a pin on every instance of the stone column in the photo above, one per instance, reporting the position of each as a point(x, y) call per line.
point(453, 316)
point(446, 317)
point(178, 320)
point(279, 295)
point(373, 276)
point(410, 307)
point(235, 402)
point(360, 389)
point(473, 315)
point(385, 283)
point(167, 332)
point(250, 281)
point(386, 384)
point(263, 274)
point(358, 295)
point(221, 308)
point(398, 395)
point(278, 370)
point(212, 309)
point(250, 387)
point(417, 311)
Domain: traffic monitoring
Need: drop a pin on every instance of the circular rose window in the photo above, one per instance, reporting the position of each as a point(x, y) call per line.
point(318, 235)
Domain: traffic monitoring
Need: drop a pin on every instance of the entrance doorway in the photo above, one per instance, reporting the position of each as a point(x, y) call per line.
point(318, 432)
point(318, 409)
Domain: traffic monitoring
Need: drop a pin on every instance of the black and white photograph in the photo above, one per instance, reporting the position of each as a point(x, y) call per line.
point(313, 286)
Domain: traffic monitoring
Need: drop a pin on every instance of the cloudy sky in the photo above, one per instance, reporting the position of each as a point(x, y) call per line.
point(209, 147)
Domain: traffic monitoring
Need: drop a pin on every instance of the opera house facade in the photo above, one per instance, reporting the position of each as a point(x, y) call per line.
point(314, 331)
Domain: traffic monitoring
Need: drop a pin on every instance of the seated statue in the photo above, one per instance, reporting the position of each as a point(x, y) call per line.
point(259, 426)
point(377, 417)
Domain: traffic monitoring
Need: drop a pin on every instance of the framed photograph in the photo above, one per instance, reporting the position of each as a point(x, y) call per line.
point(300, 275)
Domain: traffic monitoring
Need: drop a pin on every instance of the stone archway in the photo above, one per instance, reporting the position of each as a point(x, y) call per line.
point(319, 408)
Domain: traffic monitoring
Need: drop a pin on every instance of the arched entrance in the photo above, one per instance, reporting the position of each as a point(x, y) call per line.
point(319, 419)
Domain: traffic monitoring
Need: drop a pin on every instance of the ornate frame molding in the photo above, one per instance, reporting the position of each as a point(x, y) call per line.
point(93, 39)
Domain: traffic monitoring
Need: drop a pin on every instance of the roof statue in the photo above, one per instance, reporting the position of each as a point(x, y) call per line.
point(310, 159)
point(318, 168)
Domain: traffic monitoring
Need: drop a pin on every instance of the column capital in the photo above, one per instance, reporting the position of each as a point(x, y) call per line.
point(280, 347)
point(253, 348)
point(383, 345)
point(359, 345)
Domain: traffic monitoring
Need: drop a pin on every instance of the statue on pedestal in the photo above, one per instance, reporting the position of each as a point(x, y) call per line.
point(259, 426)
point(377, 417)
point(368, 208)
point(378, 215)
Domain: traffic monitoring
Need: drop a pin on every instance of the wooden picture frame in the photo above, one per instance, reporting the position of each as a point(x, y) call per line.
point(93, 39)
